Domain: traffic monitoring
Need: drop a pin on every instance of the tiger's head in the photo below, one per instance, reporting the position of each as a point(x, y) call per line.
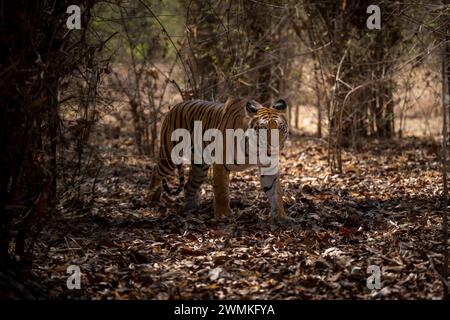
point(269, 118)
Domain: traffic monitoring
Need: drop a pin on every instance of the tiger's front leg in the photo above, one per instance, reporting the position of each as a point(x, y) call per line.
point(221, 191)
point(271, 186)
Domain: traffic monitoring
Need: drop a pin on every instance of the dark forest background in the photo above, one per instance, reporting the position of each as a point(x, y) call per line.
point(80, 113)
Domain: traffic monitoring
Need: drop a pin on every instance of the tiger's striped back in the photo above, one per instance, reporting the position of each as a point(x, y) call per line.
point(182, 116)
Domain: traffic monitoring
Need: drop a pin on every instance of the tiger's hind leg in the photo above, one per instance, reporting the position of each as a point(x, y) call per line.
point(163, 169)
point(197, 175)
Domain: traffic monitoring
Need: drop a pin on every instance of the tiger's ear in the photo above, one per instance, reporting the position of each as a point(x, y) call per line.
point(280, 105)
point(250, 108)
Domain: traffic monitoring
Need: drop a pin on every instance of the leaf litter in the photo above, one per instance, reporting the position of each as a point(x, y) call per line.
point(384, 210)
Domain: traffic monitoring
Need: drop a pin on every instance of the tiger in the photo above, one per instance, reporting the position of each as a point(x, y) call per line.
point(235, 113)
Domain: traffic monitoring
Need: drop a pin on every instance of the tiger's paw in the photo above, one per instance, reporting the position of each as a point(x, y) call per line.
point(287, 220)
point(282, 218)
point(153, 195)
point(223, 212)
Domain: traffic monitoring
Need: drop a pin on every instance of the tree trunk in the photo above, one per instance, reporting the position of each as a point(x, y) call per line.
point(445, 109)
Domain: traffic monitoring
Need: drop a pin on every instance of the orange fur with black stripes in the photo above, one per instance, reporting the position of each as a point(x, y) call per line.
point(233, 114)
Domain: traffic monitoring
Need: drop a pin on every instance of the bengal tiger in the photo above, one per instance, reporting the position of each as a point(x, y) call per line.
point(233, 114)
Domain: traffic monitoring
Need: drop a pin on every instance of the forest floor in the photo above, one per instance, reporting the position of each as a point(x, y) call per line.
point(383, 211)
